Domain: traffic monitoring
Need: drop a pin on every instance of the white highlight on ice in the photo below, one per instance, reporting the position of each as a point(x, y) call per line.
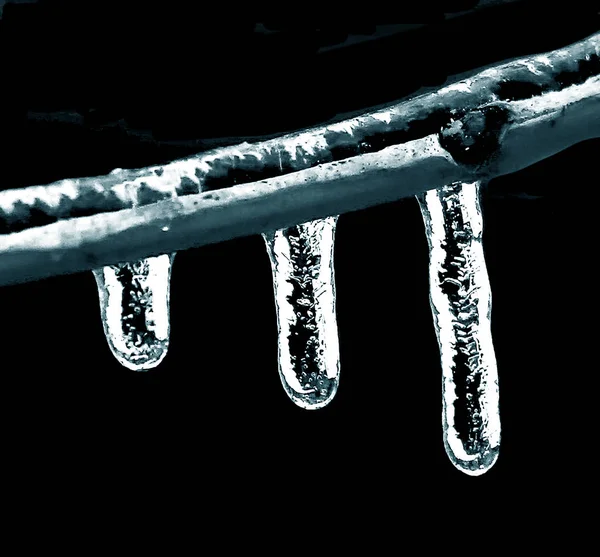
point(532, 67)
point(459, 87)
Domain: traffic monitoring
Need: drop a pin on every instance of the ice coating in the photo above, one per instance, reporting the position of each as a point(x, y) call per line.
point(408, 120)
point(304, 288)
point(460, 300)
point(134, 305)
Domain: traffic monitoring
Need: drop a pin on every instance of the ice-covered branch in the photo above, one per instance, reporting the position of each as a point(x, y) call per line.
point(501, 120)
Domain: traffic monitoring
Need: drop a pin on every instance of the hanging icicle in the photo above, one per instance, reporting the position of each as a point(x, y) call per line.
point(304, 288)
point(460, 299)
point(134, 306)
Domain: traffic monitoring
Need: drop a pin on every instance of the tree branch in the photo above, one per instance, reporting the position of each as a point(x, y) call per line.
point(496, 122)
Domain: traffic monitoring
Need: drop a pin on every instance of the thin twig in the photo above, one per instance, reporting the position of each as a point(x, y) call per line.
point(368, 160)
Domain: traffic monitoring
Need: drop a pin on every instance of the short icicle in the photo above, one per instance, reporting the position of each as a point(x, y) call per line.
point(304, 288)
point(460, 298)
point(134, 305)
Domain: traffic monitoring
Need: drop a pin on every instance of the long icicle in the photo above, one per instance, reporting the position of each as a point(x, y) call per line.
point(134, 307)
point(304, 288)
point(460, 298)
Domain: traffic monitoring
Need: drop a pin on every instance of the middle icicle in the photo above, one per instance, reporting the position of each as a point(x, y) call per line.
point(304, 288)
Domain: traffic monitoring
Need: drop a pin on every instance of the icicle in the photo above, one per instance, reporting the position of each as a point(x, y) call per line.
point(461, 304)
point(304, 288)
point(134, 306)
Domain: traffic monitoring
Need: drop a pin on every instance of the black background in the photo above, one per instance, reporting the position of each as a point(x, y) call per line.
point(214, 412)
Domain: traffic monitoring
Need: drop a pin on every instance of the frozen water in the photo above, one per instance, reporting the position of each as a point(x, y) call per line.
point(134, 305)
point(304, 288)
point(460, 300)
